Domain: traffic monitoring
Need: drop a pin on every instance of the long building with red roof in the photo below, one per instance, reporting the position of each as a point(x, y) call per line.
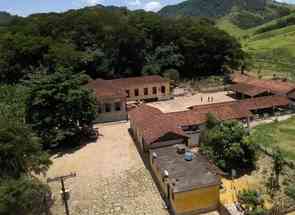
point(152, 128)
point(248, 86)
point(112, 95)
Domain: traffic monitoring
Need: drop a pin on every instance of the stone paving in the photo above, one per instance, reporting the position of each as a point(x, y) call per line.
point(111, 178)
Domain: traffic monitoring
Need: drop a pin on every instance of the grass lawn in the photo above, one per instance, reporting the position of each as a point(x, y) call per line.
point(281, 134)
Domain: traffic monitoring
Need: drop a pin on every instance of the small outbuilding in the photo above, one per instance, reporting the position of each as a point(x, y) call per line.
point(188, 181)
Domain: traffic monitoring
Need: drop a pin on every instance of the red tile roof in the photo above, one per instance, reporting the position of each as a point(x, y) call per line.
point(117, 87)
point(247, 89)
point(103, 88)
point(137, 81)
point(245, 104)
point(185, 118)
point(153, 123)
point(274, 86)
point(264, 102)
point(224, 111)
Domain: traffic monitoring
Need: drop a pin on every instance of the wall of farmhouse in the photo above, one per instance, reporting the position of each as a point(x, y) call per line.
point(157, 173)
point(167, 143)
point(195, 136)
point(199, 200)
point(111, 109)
point(149, 91)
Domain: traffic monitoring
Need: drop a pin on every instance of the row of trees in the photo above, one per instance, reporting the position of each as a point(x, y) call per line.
point(115, 43)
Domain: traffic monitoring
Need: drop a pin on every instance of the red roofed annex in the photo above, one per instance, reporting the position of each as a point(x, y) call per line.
point(251, 86)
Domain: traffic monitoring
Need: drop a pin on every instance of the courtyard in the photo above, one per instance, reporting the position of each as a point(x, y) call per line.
point(181, 103)
point(111, 177)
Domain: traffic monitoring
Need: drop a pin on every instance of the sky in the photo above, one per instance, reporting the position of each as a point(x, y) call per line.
point(27, 7)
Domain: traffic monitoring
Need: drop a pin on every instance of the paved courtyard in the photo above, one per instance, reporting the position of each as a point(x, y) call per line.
point(111, 178)
point(183, 102)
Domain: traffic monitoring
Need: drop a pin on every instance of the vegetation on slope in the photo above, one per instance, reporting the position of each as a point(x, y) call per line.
point(271, 45)
point(109, 43)
point(242, 13)
point(5, 18)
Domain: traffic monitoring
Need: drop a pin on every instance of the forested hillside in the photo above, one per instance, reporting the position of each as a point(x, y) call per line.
point(114, 42)
point(265, 29)
point(242, 13)
point(5, 18)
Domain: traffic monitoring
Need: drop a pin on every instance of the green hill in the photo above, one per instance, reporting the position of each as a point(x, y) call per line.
point(271, 45)
point(5, 18)
point(241, 13)
point(265, 28)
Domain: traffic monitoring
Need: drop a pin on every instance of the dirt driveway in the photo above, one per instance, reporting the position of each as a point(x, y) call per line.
point(183, 102)
point(111, 178)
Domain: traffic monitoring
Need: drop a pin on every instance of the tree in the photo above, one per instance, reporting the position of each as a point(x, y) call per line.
point(251, 198)
point(24, 196)
point(21, 157)
point(115, 43)
point(278, 165)
point(226, 144)
point(290, 191)
point(253, 202)
point(166, 57)
point(172, 74)
point(12, 102)
point(59, 107)
point(20, 150)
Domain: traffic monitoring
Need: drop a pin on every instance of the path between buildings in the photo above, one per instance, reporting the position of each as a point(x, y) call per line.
point(111, 178)
point(270, 120)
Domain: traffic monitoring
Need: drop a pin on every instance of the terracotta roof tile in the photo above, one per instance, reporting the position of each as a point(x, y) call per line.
point(137, 81)
point(274, 86)
point(117, 87)
point(245, 104)
point(247, 89)
point(224, 111)
point(103, 88)
point(153, 123)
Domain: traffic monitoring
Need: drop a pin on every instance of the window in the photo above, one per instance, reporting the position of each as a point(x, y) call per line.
point(154, 90)
point(118, 106)
point(163, 89)
point(108, 107)
point(128, 93)
point(99, 110)
point(146, 91)
point(136, 92)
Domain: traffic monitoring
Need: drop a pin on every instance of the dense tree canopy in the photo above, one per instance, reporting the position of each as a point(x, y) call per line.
point(23, 196)
point(20, 151)
point(114, 43)
point(58, 107)
point(21, 157)
point(228, 145)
